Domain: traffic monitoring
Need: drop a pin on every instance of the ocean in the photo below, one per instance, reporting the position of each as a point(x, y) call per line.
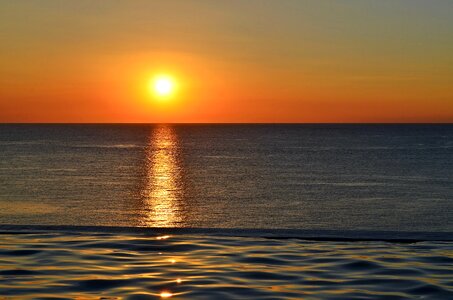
point(263, 211)
point(335, 177)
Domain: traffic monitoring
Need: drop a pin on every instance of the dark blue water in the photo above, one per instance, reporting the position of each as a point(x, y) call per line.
point(335, 177)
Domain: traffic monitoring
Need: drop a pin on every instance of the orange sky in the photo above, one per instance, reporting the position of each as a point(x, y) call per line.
point(234, 61)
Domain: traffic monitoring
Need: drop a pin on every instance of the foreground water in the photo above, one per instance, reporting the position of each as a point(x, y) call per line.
point(89, 265)
point(222, 189)
point(340, 177)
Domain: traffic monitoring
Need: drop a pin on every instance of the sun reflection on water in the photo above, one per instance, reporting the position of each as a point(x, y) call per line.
point(165, 294)
point(163, 192)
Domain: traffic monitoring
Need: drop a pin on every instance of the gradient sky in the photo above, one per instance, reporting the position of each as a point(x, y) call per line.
point(235, 61)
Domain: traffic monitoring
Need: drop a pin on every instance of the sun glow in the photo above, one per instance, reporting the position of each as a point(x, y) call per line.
point(162, 86)
point(165, 294)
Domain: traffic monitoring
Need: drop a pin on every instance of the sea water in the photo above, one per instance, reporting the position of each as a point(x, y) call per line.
point(315, 177)
point(226, 211)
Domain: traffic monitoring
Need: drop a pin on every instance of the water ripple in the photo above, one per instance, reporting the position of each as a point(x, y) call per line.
point(138, 266)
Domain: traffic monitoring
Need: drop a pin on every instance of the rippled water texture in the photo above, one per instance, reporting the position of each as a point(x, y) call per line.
point(135, 266)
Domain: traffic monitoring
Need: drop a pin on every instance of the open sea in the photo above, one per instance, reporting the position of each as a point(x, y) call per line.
point(226, 211)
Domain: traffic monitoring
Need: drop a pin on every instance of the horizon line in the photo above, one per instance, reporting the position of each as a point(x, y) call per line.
point(227, 123)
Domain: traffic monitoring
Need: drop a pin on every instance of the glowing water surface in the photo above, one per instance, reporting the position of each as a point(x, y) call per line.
point(130, 266)
point(163, 190)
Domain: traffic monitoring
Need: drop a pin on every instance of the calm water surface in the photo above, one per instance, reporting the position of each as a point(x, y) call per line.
point(341, 177)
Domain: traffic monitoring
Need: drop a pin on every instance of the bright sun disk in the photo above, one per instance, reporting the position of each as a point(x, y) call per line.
point(162, 86)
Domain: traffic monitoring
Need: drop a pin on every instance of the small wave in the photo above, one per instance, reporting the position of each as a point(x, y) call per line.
point(224, 157)
point(115, 146)
point(146, 266)
point(62, 169)
point(16, 168)
point(344, 184)
point(18, 272)
point(25, 208)
point(21, 143)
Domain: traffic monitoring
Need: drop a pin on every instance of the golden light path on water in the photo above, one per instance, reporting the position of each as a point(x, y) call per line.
point(162, 193)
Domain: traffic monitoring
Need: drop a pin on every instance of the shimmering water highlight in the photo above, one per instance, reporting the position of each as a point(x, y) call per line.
point(138, 266)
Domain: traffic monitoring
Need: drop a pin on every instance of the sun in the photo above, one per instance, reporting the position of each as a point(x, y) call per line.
point(163, 86)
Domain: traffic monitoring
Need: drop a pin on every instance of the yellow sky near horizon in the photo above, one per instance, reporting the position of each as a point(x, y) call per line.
point(234, 61)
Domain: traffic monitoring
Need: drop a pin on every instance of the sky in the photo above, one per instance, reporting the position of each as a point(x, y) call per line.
point(232, 61)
